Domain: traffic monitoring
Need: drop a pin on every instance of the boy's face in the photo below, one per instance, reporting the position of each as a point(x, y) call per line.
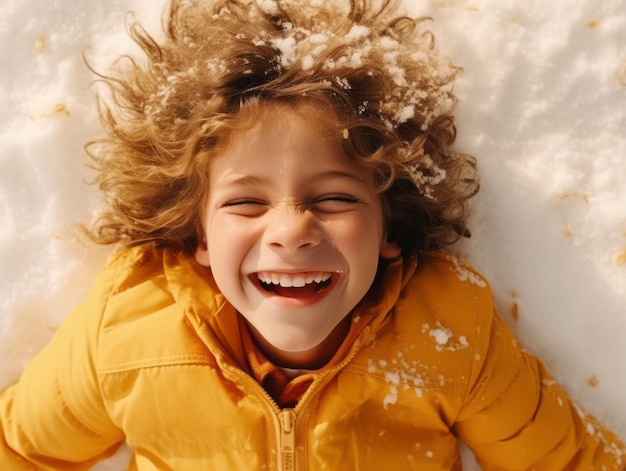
point(293, 231)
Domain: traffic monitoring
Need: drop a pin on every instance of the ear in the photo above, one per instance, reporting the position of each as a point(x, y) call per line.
point(389, 249)
point(202, 253)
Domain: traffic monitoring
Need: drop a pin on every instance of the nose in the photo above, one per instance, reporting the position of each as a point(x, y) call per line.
point(292, 229)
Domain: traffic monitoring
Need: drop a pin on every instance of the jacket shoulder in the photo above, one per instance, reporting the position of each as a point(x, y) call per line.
point(448, 290)
point(130, 266)
point(441, 321)
point(143, 323)
point(445, 266)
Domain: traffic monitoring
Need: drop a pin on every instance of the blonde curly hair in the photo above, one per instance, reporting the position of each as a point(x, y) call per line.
point(377, 71)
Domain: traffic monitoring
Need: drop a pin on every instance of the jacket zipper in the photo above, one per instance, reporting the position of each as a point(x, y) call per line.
point(287, 421)
point(284, 422)
point(287, 417)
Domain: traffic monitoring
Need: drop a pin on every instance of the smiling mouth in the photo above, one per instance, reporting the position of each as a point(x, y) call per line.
point(294, 285)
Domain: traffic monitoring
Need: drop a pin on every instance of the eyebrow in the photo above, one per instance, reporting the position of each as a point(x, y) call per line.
point(243, 180)
point(246, 180)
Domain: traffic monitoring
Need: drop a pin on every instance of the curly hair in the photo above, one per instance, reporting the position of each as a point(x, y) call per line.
point(377, 71)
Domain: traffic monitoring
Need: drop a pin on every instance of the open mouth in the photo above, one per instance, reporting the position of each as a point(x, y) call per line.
point(294, 285)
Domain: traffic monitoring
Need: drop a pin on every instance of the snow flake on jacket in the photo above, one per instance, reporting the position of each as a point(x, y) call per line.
point(153, 357)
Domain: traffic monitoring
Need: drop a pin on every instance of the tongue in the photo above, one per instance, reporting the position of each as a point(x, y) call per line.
point(303, 292)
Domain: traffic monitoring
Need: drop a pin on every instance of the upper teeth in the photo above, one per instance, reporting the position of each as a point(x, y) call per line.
point(293, 280)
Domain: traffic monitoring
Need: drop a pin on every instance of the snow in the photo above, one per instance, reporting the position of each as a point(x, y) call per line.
point(441, 335)
point(542, 107)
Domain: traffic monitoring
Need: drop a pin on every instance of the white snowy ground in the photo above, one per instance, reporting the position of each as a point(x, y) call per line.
point(542, 106)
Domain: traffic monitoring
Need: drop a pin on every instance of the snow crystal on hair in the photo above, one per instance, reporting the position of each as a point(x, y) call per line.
point(378, 72)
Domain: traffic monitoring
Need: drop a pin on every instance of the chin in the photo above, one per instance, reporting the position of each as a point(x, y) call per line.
point(292, 345)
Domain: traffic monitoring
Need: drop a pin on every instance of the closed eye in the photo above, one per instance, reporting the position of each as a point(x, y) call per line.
point(336, 202)
point(245, 206)
point(339, 197)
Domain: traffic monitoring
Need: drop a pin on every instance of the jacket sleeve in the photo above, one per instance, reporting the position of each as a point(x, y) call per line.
point(54, 417)
point(516, 417)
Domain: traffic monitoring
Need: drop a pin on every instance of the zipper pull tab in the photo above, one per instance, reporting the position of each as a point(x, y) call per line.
point(287, 419)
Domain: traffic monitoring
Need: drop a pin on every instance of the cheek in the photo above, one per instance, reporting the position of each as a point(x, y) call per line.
point(222, 240)
point(360, 242)
point(228, 244)
point(365, 232)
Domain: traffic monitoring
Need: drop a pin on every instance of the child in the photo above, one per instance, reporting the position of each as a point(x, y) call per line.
point(282, 178)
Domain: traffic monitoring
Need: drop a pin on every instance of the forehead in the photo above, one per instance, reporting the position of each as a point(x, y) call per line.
point(283, 142)
point(286, 130)
point(281, 128)
point(317, 118)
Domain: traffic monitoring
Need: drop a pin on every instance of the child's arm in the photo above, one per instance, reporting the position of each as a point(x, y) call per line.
point(54, 417)
point(517, 417)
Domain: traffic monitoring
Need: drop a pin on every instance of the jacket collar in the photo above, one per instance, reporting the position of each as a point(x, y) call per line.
point(216, 321)
point(213, 318)
point(384, 294)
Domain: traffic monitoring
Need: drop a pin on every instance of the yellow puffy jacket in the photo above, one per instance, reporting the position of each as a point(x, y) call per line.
point(152, 357)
